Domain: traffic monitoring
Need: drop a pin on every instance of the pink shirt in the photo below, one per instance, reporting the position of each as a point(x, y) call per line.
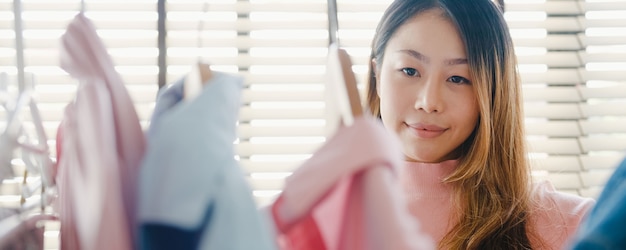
point(347, 196)
point(555, 216)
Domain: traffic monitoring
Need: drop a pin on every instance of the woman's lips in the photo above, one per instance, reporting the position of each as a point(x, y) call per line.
point(426, 131)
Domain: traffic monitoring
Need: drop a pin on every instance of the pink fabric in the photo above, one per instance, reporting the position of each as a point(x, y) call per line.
point(554, 216)
point(346, 196)
point(102, 145)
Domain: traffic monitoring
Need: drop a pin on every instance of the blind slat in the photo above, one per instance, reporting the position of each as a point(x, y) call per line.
point(614, 92)
point(552, 111)
point(245, 149)
point(563, 181)
point(557, 163)
point(595, 178)
point(602, 40)
point(552, 59)
point(268, 167)
point(553, 128)
point(603, 109)
point(247, 113)
point(266, 184)
point(246, 131)
point(552, 94)
point(551, 42)
point(603, 126)
point(603, 143)
point(608, 161)
point(560, 24)
point(553, 76)
point(550, 7)
point(554, 146)
point(603, 6)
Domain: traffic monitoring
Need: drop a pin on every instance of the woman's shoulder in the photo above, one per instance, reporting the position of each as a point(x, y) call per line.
point(555, 216)
point(547, 199)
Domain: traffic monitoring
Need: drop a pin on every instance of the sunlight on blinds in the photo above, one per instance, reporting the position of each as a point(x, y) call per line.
point(129, 34)
point(545, 36)
point(603, 109)
point(571, 53)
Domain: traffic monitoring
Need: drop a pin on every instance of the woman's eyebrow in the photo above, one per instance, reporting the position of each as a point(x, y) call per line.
point(415, 54)
point(456, 61)
point(419, 56)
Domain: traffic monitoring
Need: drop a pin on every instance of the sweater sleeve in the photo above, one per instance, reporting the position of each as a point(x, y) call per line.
point(555, 216)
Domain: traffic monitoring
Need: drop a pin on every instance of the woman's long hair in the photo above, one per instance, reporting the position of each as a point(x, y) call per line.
point(492, 180)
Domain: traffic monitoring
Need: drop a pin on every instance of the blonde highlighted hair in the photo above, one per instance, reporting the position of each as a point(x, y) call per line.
point(492, 180)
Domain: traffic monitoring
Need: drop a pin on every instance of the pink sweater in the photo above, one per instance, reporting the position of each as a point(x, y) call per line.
point(555, 216)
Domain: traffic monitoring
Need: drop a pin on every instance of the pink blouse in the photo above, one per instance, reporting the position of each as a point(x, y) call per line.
point(100, 144)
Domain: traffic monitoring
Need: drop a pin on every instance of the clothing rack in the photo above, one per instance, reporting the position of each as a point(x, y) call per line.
point(19, 41)
point(36, 185)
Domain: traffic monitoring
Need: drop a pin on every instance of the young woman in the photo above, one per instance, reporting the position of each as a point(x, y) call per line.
point(443, 79)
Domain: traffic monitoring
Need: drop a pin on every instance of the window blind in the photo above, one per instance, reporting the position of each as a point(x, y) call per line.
point(573, 89)
point(604, 109)
point(280, 47)
point(129, 33)
point(572, 57)
point(546, 39)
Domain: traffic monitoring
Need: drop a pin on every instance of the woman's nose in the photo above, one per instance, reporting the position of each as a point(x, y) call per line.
point(429, 96)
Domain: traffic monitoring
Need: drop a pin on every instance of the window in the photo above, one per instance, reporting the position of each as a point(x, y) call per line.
point(572, 56)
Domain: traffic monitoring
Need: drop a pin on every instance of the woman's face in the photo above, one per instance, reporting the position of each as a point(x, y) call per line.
point(426, 93)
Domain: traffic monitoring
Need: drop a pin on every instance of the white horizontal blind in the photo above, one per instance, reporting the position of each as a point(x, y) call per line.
point(603, 110)
point(546, 38)
point(573, 92)
point(280, 47)
point(129, 31)
point(129, 34)
point(572, 57)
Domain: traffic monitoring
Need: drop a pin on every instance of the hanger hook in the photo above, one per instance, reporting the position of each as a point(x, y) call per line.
point(333, 22)
point(82, 6)
point(205, 9)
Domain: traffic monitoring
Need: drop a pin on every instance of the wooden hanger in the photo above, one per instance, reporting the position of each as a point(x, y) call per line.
point(199, 76)
point(342, 85)
point(205, 72)
point(343, 100)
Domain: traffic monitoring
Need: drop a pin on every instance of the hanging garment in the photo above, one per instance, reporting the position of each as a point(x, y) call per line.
point(553, 217)
point(169, 96)
point(346, 196)
point(101, 146)
point(604, 226)
point(191, 188)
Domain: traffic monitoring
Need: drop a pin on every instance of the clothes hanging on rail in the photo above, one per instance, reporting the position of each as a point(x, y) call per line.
point(169, 96)
point(100, 146)
point(191, 188)
point(604, 226)
point(346, 196)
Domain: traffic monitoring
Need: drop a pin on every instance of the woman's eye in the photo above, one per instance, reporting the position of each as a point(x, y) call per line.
point(410, 72)
point(458, 80)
